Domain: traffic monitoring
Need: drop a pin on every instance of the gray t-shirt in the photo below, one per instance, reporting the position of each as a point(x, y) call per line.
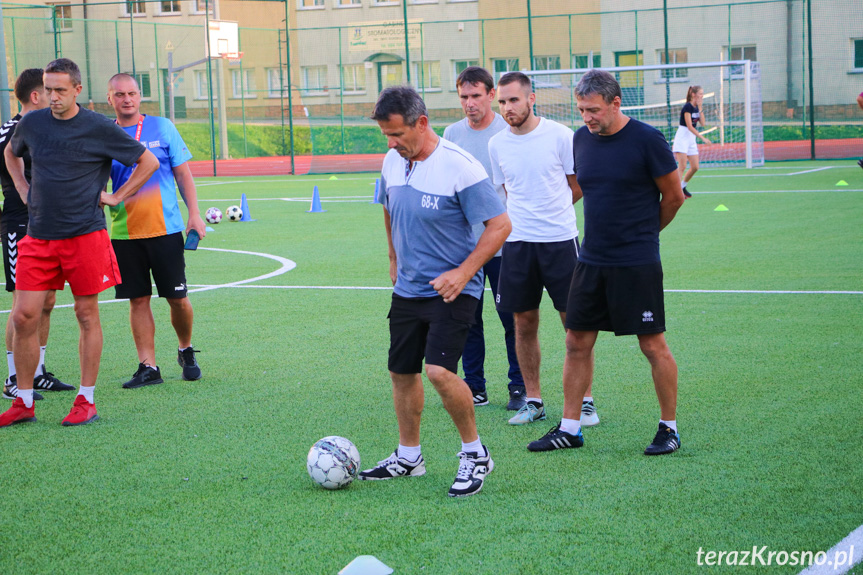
point(71, 162)
point(475, 142)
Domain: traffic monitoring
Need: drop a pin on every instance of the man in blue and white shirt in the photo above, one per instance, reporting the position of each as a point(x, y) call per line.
point(433, 194)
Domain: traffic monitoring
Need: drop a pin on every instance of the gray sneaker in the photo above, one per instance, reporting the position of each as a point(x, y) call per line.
point(528, 414)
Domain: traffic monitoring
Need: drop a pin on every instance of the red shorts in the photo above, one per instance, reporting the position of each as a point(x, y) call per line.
point(87, 262)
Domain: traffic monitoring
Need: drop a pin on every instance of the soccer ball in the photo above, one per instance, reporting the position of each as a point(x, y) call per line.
point(333, 462)
point(213, 215)
point(234, 213)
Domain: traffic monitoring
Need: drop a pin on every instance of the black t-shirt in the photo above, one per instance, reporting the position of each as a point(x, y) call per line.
point(14, 210)
point(621, 200)
point(694, 112)
point(71, 163)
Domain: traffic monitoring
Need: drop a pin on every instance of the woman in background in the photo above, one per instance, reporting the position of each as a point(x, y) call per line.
point(685, 144)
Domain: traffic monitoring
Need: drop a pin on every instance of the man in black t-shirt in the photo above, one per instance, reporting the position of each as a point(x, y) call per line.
point(631, 190)
point(71, 150)
point(13, 227)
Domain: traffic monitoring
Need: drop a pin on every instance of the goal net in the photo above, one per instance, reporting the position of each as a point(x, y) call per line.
point(655, 95)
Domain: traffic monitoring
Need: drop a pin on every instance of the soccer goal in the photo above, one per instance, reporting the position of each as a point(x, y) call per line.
point(655, 95)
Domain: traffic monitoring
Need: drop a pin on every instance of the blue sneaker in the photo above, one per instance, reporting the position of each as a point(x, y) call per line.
point(528, 414)
point(556, 438)
point(667, 440)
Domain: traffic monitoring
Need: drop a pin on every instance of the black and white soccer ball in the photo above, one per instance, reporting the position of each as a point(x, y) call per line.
point(234, 213)
point(333, 462)
point(213, 215)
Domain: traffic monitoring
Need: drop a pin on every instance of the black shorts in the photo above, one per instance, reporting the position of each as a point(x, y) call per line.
point(625, 300)
point(527, 267)
point(428, 328)
point(163, 255)
point(12, 234)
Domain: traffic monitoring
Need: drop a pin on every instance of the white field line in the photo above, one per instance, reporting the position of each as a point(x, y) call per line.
point(851, 548)
point(287, 265)
point(378, 288)
point(279, 181)
point(831, 191)
point(810, 171)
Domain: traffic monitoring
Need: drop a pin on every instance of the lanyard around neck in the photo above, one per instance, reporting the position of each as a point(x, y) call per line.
point(138, 129)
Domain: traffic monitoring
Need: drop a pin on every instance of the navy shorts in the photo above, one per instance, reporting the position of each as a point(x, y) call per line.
point(163, 255)
point(527, 267)
point(625, 300)
point(428, 328)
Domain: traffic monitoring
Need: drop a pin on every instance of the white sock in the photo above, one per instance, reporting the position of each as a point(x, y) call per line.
point(682, 184)
point(26, 396)
point(587, 398)
point(39, 370)
point(473, 447)
point(10, 361)
point(87, 392)
point(535, 400)
point(670, 423)
point(411, 454)
point(570, 425)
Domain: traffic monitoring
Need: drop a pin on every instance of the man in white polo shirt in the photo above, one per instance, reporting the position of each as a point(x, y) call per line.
point(533, 161)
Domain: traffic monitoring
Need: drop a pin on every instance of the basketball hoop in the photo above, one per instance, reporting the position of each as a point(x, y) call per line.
point(232, 57)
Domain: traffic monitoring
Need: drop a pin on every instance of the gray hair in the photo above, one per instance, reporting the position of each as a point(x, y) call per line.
point(598, 82)
point(401, 100)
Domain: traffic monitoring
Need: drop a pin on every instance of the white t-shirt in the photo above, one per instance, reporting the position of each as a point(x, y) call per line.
point(533, 167)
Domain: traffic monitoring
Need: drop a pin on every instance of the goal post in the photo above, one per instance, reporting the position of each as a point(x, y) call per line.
point(655, 94)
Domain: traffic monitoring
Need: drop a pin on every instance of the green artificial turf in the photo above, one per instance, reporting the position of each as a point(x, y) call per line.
point(209, 476)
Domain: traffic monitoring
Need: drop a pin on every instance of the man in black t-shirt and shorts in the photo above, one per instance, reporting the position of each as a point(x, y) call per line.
point(71, 150)
point(13, 227)
point(631, 190)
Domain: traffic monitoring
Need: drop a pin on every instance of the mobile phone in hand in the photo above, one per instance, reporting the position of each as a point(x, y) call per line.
point(192, 239)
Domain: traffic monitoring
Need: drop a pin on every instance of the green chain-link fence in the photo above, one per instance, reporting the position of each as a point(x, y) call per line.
point(336, 70)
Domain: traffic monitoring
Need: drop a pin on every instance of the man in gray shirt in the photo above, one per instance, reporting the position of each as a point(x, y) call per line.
point(476, 92)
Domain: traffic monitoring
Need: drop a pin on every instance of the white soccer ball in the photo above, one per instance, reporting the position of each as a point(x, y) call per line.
point(213, 215)
point(333, 462)
point(234, 213)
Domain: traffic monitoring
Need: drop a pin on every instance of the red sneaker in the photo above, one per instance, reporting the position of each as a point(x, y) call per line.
point(17, 413)
point(82, 412)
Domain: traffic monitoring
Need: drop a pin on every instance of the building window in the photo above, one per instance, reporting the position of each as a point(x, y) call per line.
point(858, 53)
point(134, 8)
point(546, 62)
point(202, 5)
point(143, 79)
point(347, 3)
point(243, 83)
point(354, 79)
point(307, 4)
point(314, 79)
point(503, 65)
point(169, 7)
point(675, 56)
point(459, 66)
point(62, 17)
point(589, 60)
point(427, 75)
point(201, 92)
point(740, 53)
point(277, 82)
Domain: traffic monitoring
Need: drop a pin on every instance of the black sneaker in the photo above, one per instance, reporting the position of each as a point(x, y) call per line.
point(10, 391)
point(860, 162)
point(516, 399)
point(666, 441)
point(146, 375)
point(186, 359)
point(480, 398)
point(394, 466)
point(686, 192)
point(472, 471)
point(47, 382)
point(556, 438)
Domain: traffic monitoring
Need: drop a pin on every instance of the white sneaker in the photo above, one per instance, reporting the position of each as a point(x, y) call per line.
point(472, 471)
point(589, 417)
